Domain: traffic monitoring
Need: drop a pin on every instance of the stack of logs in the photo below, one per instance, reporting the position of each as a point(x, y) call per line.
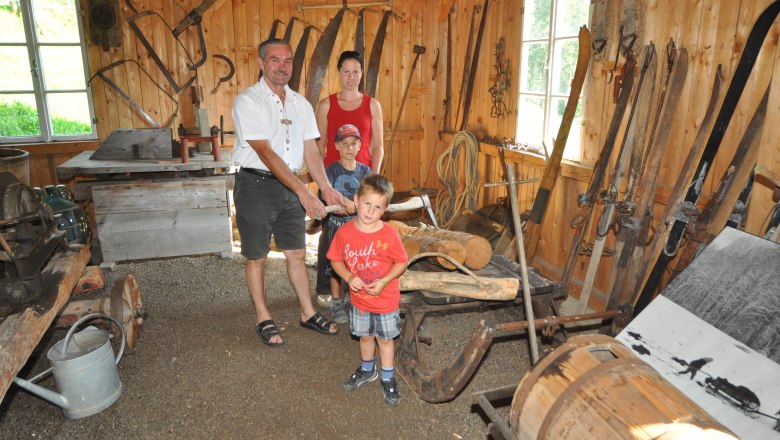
point(467, 249)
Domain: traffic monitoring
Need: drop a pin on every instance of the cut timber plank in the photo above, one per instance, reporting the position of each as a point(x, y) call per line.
point(20, 333)
point(140, 235)
point(153, 219)
point(141, 196)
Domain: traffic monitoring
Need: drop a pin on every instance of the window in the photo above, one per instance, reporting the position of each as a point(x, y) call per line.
point(43, 86)
point(548, 59)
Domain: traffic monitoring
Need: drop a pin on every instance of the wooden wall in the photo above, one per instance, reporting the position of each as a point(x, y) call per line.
point(713, 31)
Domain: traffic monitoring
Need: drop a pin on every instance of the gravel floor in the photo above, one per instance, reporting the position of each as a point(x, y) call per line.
point(199, 371)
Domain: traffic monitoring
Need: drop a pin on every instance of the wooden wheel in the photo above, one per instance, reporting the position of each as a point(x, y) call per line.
point(127, 307)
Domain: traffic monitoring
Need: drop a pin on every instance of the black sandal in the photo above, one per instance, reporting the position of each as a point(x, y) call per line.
point(319, 323)
point(267, 330)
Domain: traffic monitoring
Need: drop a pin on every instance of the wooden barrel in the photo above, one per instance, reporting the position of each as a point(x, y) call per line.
point(594, 387)
point(16, 162)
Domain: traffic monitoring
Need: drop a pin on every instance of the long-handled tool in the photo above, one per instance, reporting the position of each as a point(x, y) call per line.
point(509, 170)
point(418, 50)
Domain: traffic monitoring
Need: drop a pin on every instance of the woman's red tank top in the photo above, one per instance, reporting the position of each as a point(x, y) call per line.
point(360, 118)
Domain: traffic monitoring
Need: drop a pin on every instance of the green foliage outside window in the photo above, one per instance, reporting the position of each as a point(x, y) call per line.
point(18, 119)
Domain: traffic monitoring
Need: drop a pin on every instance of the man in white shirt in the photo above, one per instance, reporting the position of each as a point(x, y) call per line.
point(276, 135)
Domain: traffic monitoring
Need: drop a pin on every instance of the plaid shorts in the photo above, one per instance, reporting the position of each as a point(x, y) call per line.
point(381, 325)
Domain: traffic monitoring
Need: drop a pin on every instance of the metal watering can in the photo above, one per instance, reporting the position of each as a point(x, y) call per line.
point(84, 370)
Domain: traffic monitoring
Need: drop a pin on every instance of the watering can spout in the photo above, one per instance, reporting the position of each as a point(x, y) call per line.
point(43, 393)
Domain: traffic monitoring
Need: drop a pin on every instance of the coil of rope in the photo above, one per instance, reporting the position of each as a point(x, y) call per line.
point(455, 197)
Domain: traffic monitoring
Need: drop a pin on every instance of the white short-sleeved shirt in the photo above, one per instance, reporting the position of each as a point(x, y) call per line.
point(258, 114)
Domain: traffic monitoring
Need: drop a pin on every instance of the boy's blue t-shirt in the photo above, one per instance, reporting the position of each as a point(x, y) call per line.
point(345, 181)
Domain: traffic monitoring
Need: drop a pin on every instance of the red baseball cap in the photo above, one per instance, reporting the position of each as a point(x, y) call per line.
point(347, 130)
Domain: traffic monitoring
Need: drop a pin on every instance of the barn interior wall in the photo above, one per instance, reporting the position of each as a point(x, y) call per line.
point(713, 32)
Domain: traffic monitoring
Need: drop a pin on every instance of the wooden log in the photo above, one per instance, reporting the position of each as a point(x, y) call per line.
point(20, 333)
point(489, 289)
point(433, 244)
point(91, 280)
point(411, 245)
point(478, 250)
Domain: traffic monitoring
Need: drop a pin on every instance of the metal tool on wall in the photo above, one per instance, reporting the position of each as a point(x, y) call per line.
point(102, 75)
point(344, 4)
point(321, 57)
point(418, 50)
point(177, 88)
point(474, 63)
point(372, 72)
point(194, 18)
point(300, 55)
point(231, 71)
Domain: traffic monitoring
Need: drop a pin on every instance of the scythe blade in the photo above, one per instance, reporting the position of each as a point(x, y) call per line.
point(300, 54)
point(321, 57)
point(360, 44)
point(372, 72)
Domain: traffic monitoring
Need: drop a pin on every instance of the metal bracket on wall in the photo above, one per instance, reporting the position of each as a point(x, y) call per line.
point(131, 21)
point(345, 4)
point(126, 97)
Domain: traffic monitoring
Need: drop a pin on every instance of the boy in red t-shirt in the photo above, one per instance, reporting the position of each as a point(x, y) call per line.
point(369, 255)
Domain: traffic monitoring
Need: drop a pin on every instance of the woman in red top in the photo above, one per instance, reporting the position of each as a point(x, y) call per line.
point(350, 106)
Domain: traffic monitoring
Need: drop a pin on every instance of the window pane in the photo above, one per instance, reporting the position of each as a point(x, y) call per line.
point(15, 73)
point(19, 115)
point(536, 19)
point(532, 69)
point(55, 21)
point(69, 113)
point(62, 68)
point(11, 24)
point(530, 120)
point(574, 141)
point(571, 14)
point(564, 65)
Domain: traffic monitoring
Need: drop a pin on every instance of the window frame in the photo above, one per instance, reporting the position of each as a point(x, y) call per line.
point(38, 82)
point(549, 96)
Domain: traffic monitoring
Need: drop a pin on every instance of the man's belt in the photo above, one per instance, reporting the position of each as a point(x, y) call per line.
point(260, 173)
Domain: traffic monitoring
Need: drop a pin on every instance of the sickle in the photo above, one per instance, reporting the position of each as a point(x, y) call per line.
point(231, 71)
point(321, 57)
point(300, 54)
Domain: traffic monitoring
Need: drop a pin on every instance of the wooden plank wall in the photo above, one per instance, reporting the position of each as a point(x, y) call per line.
point(713, 31)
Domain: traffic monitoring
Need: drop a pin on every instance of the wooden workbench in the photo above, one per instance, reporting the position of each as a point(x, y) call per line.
point(81, 165)
point(156, 208)
point(21, 332)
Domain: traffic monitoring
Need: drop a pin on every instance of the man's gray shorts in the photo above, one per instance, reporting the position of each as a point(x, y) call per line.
point(264, 206)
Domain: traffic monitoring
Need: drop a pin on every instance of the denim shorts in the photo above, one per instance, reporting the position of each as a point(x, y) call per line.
point(381, 325)
point(265, 207)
